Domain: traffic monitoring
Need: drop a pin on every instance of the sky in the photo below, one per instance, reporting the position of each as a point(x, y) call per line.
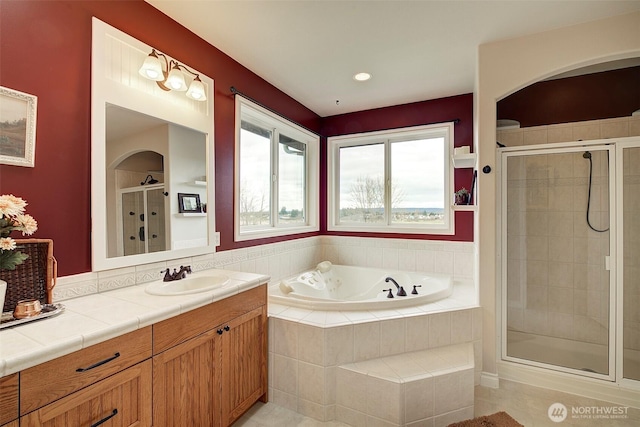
point(417, 170)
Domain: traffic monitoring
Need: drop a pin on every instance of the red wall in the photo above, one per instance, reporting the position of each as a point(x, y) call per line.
point(45, 50)
point(594, 96)
point(419, 113)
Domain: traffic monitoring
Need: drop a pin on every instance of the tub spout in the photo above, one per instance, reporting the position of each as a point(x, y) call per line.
point(401, 291)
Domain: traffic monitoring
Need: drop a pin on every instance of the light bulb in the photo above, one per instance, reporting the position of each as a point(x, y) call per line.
point(152, 68)
point(196, 90)
point(175, 79)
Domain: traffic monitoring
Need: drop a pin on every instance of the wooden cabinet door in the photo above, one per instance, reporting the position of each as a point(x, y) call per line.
point(123, 399)
point(186, 391)
point(8, 398)
point(243, 368)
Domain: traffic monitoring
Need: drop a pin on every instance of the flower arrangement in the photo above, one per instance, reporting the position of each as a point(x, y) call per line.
point(462, 196)
point(13, 218)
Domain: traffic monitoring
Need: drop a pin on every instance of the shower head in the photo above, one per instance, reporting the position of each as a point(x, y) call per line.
point(586, 155)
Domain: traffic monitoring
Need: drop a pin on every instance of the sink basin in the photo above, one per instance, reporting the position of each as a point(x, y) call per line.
point(189, 285)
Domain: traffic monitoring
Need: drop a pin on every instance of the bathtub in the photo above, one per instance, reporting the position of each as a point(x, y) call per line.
point(340, 287)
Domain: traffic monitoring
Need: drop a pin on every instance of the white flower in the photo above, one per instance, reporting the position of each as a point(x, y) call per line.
point(27, 224)
point(11, 205)
point(7, 243)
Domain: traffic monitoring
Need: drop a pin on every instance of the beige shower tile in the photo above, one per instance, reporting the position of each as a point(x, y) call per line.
point(561, 274)
point(560, 300)
point(534, 135)
point(560, 223)
point(559, 133)
point(537, 273)
point(585, 131)
point(510, 138)
point(614, 128)
point(634, 126)
point(561, 249)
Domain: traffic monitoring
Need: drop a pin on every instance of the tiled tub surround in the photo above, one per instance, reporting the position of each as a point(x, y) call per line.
point(95, 318)
point(306, 348)
point(284, 259)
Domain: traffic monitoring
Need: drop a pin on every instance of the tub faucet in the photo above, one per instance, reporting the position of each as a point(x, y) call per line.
point(401, 291)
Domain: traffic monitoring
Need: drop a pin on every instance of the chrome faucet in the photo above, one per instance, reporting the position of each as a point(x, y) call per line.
point(176, 275)
point(401, 291)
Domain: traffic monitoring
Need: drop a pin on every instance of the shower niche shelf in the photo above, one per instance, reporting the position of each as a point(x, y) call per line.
point(471, 208)
point(464, 160)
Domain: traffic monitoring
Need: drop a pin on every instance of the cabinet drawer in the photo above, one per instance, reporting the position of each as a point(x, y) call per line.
point(8, 398)
point(57, 378)
point(174, 331)
point(123, 399)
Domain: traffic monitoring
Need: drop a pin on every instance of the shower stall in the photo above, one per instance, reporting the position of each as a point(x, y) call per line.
point(570, 240)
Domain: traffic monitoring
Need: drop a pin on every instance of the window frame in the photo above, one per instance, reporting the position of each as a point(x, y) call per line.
point(387, 137)
point(255, 114)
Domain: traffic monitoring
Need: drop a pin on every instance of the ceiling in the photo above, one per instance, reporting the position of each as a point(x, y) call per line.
point(415, 50)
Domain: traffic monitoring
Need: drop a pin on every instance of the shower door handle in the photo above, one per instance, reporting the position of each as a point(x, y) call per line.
point(607, 263)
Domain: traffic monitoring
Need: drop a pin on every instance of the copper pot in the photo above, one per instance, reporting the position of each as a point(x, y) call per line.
point(27, 308)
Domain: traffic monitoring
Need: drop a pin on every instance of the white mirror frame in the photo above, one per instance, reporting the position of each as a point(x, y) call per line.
point(115, 80)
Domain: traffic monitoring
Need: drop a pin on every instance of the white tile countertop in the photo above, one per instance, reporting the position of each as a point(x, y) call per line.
point(95, 318)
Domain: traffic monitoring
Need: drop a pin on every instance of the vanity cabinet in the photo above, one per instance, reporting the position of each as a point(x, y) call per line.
point(125, 395)
point(205, 367)
point(49, 381)
point(210, 364)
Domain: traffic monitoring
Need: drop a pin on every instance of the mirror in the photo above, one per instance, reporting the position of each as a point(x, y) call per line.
point(151, 153)
point(148, 162)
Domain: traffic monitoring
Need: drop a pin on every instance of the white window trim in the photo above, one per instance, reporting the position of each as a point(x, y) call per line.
point(312, 141)
point(335, 143)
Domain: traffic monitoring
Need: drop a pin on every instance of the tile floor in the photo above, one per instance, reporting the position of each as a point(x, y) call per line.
point(527, 404)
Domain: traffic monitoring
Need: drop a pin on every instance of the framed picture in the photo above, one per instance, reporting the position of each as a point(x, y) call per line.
point(17, 128)
point(189, 203)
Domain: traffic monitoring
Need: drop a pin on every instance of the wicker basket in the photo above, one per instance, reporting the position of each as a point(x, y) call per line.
point(35, 277)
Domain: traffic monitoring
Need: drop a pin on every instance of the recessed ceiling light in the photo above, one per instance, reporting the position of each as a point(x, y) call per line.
point(362, 77)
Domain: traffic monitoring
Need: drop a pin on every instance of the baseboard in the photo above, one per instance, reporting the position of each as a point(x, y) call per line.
point(489, 379)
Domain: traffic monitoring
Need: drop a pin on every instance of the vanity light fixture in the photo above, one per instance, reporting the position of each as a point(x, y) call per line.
point(170, 76)
point(362, 77)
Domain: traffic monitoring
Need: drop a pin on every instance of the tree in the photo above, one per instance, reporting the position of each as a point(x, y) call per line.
point(252, 206)
point(368, 194)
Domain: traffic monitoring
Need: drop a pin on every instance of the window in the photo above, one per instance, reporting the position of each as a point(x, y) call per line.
point(276, 175)
point(397, 181)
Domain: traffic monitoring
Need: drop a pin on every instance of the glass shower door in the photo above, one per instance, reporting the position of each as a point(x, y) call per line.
point(556, 276)
point(630, 236)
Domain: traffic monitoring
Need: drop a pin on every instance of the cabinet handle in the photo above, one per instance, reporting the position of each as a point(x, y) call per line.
point(105, 419)
point(95, 365)
point(219, 331)
point(226, 328)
